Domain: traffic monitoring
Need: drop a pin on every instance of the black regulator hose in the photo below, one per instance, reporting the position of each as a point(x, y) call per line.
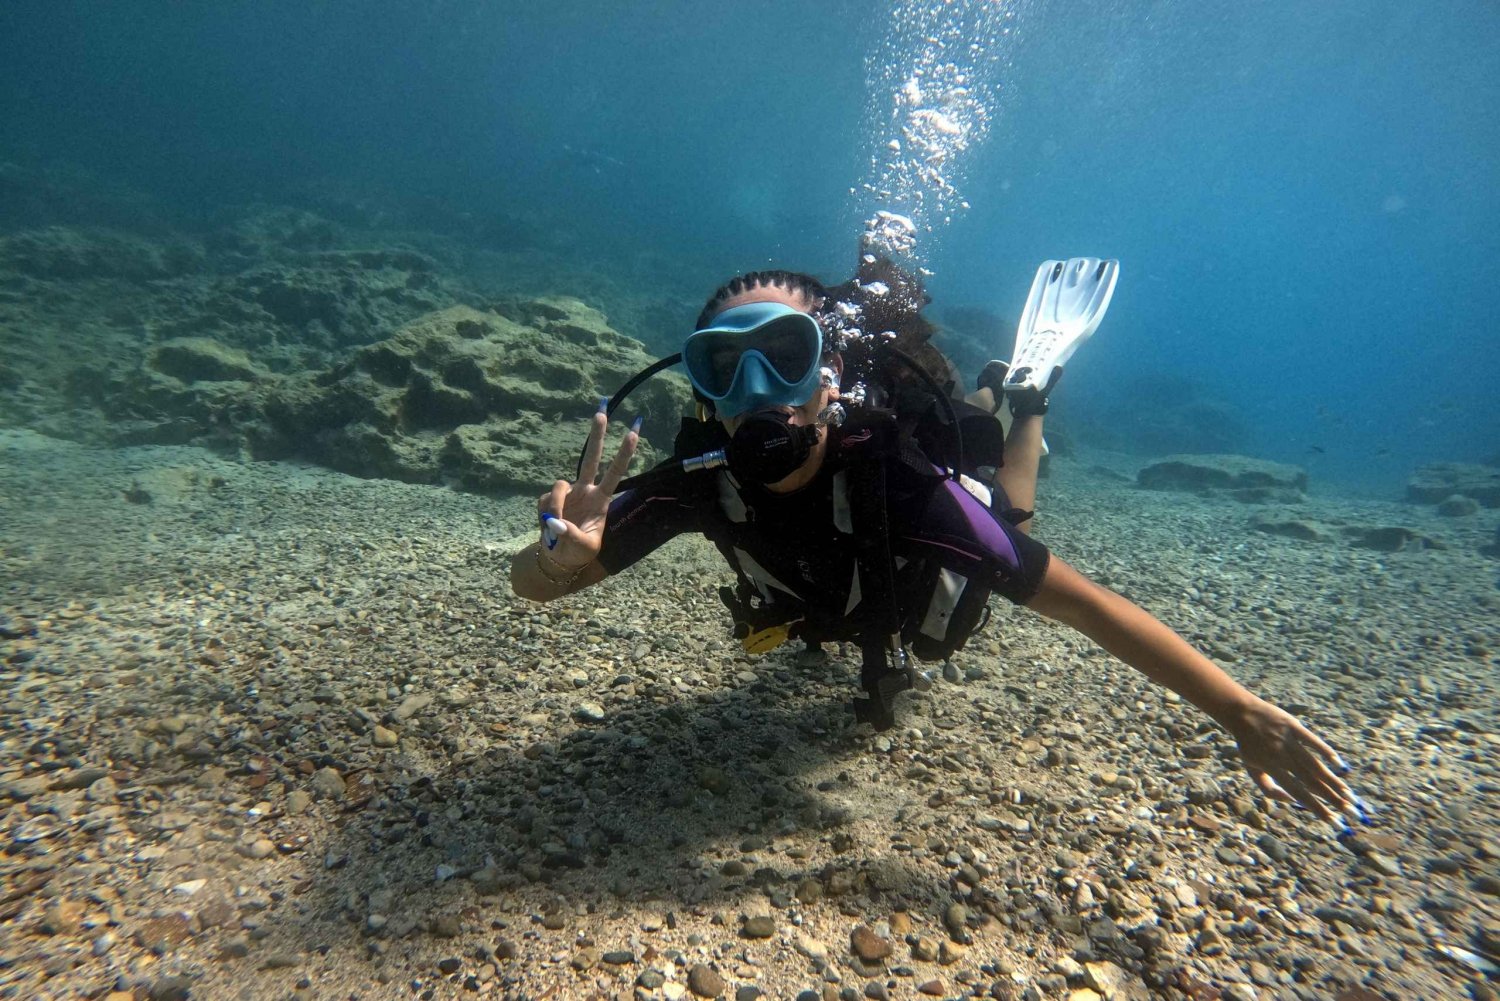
point(624, 391)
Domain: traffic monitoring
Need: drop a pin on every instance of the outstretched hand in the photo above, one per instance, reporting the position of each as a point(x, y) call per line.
point(1291, 763)
point(573, 514)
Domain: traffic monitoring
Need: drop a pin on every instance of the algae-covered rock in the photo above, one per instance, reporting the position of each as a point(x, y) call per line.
point(1235, 476)
point(471, 397)
point(1458, 506)
point(1437, 481)
point(70, 254)
point(198, 359)
point(1293, 527)
point(331, 299)
point(1390, 538)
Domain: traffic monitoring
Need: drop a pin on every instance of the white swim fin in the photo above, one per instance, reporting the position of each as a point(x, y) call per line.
point(1067, 301)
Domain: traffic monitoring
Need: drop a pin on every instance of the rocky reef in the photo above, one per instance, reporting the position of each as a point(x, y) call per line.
point(273, 333)
point(1237, 477)
point(1449, 483)
point(485, 400)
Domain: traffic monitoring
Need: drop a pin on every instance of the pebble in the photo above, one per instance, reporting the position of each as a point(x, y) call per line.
point(297, 802)
point(955, 919)
point(589, 712)
point(868, 946)
point(80, 778)
point(810, 947)
point(411, 705)
point(1346, 915)
point(24, 788)
point(1273, 847)
point(327, 783)
point(704, 981)
point(381, 737)
point(62, 917)
point(261, 848)
point(762, 926)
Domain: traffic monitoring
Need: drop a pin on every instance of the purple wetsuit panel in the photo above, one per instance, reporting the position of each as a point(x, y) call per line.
point(950, 525)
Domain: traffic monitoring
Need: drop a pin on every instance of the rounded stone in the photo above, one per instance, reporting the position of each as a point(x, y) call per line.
point(704, 981)
point(760, 926)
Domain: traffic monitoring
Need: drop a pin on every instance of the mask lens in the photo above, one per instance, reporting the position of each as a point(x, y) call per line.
point(720, 360)
point(786, 345)
point(790, 344)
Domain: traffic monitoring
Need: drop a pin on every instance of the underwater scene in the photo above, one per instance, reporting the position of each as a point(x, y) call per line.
point(867, 499)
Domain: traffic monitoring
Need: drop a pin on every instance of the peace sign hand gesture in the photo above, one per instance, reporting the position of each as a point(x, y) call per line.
point(573, 514)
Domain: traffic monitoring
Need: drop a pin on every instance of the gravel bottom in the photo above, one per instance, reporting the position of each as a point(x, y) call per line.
point(273, 732)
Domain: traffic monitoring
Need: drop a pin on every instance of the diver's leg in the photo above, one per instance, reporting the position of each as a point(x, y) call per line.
point(1023, 445)
point(983, 399)
point(1023, 456)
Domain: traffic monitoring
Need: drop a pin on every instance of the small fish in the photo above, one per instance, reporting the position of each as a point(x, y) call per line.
point(1317, 448)
point(1382, 451)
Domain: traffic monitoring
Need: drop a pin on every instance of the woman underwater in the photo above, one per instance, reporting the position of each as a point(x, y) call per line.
point(765, 357)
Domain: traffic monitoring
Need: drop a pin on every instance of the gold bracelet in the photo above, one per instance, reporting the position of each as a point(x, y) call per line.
point(564, 582)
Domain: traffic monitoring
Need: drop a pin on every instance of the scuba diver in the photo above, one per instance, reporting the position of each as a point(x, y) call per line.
point(874, 525)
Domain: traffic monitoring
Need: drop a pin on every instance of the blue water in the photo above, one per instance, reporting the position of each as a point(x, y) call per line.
point(1304, 197)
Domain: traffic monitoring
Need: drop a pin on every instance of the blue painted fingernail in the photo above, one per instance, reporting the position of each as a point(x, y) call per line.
point(635, 425)
point(603, 404)
point(548, 535)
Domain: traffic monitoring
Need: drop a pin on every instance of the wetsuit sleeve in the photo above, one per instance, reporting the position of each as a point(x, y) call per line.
point(639, 521)
point(949, 524)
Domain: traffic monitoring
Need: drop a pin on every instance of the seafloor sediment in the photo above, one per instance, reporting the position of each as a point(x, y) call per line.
point(273, 732)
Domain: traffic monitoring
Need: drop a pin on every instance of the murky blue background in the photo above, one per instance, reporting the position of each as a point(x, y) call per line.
point(1304, 196)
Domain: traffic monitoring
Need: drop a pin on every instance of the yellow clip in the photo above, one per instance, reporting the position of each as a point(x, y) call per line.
point(766, 639)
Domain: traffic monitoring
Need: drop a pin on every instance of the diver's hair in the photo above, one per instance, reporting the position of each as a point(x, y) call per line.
point(889, 301)
point(792, 281)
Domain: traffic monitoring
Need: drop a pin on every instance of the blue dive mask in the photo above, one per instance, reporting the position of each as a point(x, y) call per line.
point(764, 354)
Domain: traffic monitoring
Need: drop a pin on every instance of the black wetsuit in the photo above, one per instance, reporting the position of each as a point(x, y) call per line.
point(794, 540)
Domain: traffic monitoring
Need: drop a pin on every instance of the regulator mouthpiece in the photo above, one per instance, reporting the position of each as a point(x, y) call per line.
point(767, 448)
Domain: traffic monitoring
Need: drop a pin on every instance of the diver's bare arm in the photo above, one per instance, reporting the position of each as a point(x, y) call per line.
point(1140, 640)
point(528, 580)
point(1286, 760)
